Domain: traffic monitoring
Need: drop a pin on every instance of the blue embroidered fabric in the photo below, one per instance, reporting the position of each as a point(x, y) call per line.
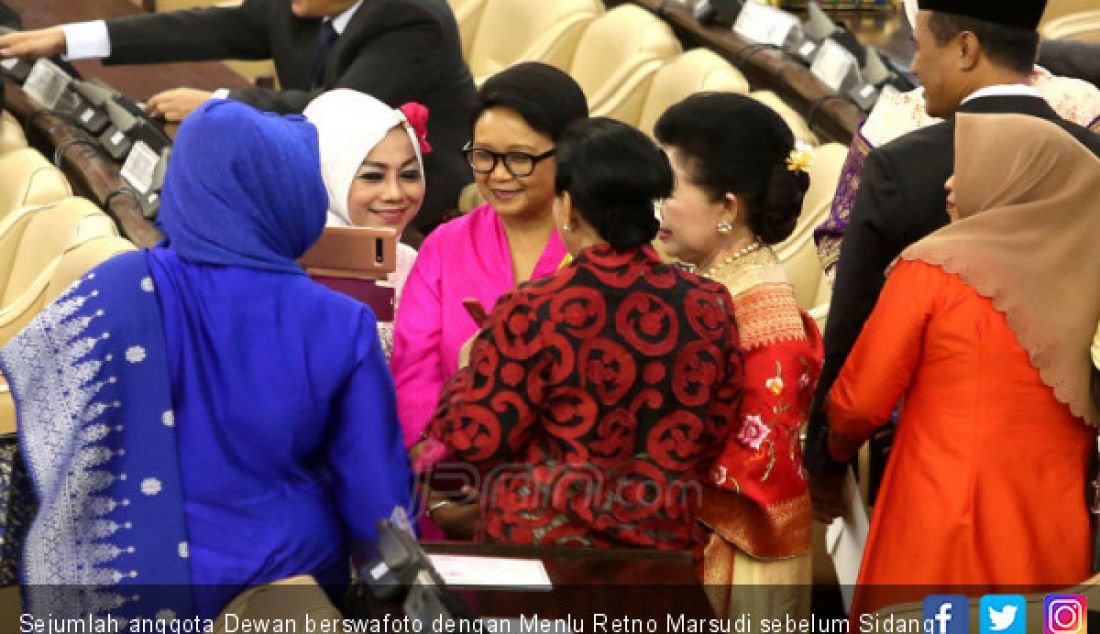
point(90, 380)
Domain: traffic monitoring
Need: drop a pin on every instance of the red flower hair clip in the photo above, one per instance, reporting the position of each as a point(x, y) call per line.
point(417, 116)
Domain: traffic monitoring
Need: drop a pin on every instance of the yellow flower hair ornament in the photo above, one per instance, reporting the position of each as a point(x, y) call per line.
point(801, 158)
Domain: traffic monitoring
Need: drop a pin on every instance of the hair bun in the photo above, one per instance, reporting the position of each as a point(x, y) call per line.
point(629, 224)
point(781, 205)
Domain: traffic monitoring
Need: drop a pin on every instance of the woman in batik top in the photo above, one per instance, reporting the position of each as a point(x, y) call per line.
point(597, 399)
point(739, 189)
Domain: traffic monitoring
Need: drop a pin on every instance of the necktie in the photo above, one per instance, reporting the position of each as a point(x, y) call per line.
point(325, 39)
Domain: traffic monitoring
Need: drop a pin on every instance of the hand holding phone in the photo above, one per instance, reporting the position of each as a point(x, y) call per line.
point(476, 310)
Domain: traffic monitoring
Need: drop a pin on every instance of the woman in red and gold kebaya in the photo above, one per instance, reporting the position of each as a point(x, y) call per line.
point(739, 188)
point(596, 399)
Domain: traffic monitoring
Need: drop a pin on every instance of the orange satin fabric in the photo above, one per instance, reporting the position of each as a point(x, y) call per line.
point(986, 479)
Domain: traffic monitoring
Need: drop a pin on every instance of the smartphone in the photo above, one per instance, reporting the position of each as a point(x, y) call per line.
point(364, 253)
point(370, 292)
point(476, 310)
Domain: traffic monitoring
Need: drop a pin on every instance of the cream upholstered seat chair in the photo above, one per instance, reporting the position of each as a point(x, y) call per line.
point(43, 250)
point(1056, 9)
point(11, 133)
point(163, 6)
point(76, 261)
point(798, 253)
point(697, 70)
point(34, 246)
point(797, 124)
point(296, 600)
point(617, 57)
point(27, 178)
point(513, 31)
point(468, 15)
point(1080, 27)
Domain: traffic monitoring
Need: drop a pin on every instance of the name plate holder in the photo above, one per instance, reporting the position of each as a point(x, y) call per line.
point(764, 24)
point(836, 67)
point(144, 171)
point(47, 83)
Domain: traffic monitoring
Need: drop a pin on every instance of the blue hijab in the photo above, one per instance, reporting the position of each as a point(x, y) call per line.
point(91, 382)
point(244, 188)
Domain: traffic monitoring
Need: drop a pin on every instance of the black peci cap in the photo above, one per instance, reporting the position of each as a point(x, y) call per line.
point(1020, 14)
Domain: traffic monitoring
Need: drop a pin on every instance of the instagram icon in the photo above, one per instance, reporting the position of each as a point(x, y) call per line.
point(1064, 614)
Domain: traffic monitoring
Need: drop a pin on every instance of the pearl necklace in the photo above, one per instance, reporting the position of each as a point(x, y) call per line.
point(731, 259)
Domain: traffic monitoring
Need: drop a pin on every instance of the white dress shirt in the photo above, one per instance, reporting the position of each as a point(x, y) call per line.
point(1004, 90)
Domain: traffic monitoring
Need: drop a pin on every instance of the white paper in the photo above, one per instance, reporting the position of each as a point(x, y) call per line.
point(833, 64)
point(46, 83)
point(764, 24)
point(846, 538)
point(496, 572)
point(9, 63)
point(139, 167)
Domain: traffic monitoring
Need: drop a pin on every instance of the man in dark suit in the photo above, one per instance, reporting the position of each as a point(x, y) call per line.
point(394, 50)
point(972, 56)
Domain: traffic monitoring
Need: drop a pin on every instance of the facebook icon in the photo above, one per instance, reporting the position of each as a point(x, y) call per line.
point(946, 614)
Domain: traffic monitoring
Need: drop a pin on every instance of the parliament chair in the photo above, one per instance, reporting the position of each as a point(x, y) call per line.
point(617, 57)
point(42, 251)
point(1079, 27)
point(797, 124)
point(11, 133)
point(1057, 9)
point(296, 601)
point(74, 263)
point(27, 178)
point(164, 6)
point(468, 17)
point(513, 31)
point(819, 310)
point(798, 253)
point(697, 70)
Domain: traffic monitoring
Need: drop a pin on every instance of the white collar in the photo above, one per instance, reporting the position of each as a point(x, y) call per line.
point(340, 22)
point(1004, 90)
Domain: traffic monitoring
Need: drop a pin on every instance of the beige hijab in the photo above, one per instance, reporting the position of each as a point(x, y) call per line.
point(1028, 237)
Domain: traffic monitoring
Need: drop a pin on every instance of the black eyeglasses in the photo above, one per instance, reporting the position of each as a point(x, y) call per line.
point(518, 164)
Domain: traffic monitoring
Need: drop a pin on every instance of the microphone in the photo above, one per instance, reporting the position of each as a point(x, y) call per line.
point(93, 116)
point(114, 139)
point(150, 205)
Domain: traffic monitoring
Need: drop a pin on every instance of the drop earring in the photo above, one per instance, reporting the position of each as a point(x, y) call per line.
point(724, 228)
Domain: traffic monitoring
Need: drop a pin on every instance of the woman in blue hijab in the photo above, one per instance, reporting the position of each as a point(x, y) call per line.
point(202, 415)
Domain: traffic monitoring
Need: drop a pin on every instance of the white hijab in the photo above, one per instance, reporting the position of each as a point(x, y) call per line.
point(349, 125)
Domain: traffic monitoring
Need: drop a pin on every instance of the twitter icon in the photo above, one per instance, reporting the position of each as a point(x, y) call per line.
point(1003, 614)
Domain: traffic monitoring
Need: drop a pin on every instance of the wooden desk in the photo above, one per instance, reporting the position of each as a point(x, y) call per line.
point(92, 173)
point(137, 82)
point(634, 584)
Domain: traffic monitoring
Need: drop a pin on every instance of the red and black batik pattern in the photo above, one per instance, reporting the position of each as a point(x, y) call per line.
point(595, 401)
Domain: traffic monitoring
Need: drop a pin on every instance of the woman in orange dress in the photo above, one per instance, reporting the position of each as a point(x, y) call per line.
point(983, 333)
